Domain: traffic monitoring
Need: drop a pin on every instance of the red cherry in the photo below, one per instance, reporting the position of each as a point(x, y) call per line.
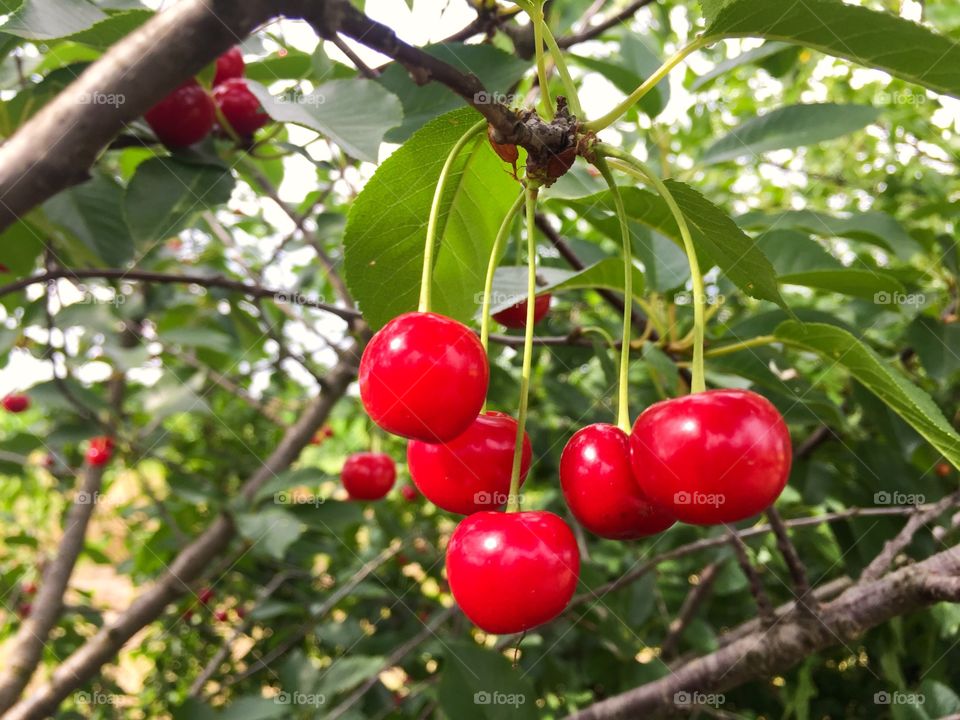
point(29, 588)
point(510, 572)
point(229, 65)
point(240, 107)
point(205, 595)
point(241, 612)
point(712, 457)
point(183, 117)
point(23, 610)
point(100, 450)
point(220, 615)
point(515, 316)
point(943, 470)
point(409, 493)
point(16, 402)
point(368, 475)
point(599, 487)
point(424, 376)
point(471, 472)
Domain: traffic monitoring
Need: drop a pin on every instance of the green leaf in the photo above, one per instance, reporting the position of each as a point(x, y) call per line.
point(838, 347)
point(937, 346)
point(346, 673)
point(112, 29)
point(630, 66)
point(92, 212)
point(766, 50)
point(876, 39)
point(165, 193)
point(497, 70)
point(510, 285)
point(876, 228)
point(386, 227)
point(292, 66)
point(271, 531)
point(254, 707)
point(354, 114)
point(21, 245)
point(789, 127)
point(865, 284)
point(606, 274)
point(479, 684)
point(716, 237)
point(49, 19)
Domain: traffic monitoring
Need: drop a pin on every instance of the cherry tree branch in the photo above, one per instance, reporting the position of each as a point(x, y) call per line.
point(188, 566)
point(688, 610)
point(23, 656)
point(600, 28)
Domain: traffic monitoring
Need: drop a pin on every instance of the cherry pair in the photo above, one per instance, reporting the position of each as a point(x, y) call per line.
point(713, 457)
point(188, 114)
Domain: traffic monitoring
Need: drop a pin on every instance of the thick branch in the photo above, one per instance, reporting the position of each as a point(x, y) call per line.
point(191, 564)
point(22, 658)
point(767, 652)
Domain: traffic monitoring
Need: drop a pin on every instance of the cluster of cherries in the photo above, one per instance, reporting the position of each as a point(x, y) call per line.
point(711, 457)
point(188, 114)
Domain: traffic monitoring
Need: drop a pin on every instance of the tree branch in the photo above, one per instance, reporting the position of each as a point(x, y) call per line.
point(188, 566)
point(601, 27)
point(21, 659)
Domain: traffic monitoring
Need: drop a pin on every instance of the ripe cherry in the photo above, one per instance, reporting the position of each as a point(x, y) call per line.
point(220, 615)
point(16, 402)
point(424, 376)
point(712, 457)
point(100, 450)
point(183, 117)
point(943, 470)
point(515, 316)
point(240, 107)
point(600, 489)
point(30, 588)
point(409, 493)
point(510, 572)
point(368, 475)
point(24, 610)
point(205, 595)
point(471, 472)
point(229, 65)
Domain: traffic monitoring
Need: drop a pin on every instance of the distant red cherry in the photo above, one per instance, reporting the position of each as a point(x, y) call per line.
point(100, 450)
point(4, 268)
point(240, 107)
point(29, 588)
point(712, 457)
point(229, 65)
point(471, 472)
point(409, 493)
point(220, 615)
point(16, 402)
point(943, 470)
point(368, 475)
point(241, 612)
point(510, 572)
point(183, 117)
point(515, 316)
point(24, 610)
point(599, 487)
point(205, 595)
point(424, 376)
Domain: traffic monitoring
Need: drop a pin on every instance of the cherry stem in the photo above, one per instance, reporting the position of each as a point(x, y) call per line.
point(566, 78)
point(495, 252)
point(647, 85)
point(639, 169)
point(513, 501)
point(434, 219)
point(623, 383)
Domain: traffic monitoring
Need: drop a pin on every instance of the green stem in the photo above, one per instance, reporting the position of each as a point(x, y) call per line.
point(495, 254)
point(638, 169)
point(433, 220)
point(376, 439)
point(736, 347)
point(596, 329)
point(648, 84)
point(534, 9)
point(573, 100)
point(513, 502)
point(623, 383)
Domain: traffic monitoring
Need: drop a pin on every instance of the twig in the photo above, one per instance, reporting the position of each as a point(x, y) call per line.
point(358, 63)
point(798, 572)
point(600, 28)
point(688, 610)
point(764, 607)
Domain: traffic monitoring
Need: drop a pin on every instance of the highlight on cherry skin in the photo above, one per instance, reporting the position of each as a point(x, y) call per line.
point(713, 457)
point(598, 485)
point(472, 471)
point(368, 475)
point(510, 572)
point(515, 316)
point(424, 376)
